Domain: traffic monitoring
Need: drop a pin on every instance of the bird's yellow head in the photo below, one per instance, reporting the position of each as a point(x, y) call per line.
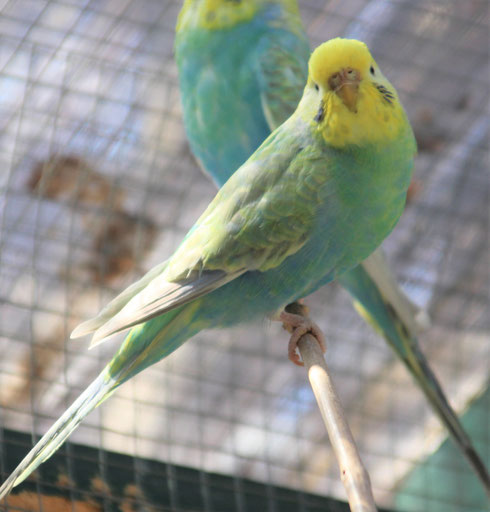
point(223, 14)
point(352, 102)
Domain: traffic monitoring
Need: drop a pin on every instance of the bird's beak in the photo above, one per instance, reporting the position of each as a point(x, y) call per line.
point(348, 94)
point(345, 84)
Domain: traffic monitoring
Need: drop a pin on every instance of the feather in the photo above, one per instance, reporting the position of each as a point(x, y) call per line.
point(159, 297)
point(96, 393)
point(116, 304)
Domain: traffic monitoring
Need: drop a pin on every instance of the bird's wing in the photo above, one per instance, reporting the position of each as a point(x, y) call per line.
point(116, 304)
point(281, 69)
point(262, 215)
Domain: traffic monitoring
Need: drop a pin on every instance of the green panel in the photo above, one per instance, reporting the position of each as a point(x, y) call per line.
point(444, 482)
point(117, 483)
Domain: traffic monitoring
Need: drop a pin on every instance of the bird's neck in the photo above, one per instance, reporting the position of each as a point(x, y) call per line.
point(223, 14)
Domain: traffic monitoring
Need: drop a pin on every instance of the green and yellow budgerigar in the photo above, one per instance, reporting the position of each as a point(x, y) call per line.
point(315, 199)
point(242, 69)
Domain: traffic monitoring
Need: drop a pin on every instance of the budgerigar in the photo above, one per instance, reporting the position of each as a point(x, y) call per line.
point(316, 198)
point(242, 68)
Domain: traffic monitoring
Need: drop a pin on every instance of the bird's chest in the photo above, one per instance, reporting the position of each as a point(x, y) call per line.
point(365, 200)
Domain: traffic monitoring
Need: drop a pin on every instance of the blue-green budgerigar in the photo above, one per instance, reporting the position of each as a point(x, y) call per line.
point(242, 69)
point(315, 199)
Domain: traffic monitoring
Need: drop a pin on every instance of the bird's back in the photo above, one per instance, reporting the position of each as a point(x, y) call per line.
point(222, 91)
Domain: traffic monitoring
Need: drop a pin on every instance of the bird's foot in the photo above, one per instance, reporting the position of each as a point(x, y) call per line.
point(298, 325)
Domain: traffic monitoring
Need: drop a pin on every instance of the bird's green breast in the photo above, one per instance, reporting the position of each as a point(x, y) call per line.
point(358, 194)
point(366, 195)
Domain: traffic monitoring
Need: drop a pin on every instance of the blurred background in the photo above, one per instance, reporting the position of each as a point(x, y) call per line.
point(98, 185)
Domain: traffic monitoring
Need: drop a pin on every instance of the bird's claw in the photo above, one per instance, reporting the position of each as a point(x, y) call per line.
point(299, 325)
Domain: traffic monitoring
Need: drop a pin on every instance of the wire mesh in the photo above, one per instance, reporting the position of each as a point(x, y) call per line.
point(98, 185)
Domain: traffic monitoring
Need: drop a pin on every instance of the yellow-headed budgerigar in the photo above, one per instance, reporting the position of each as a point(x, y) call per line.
point(316, 198)
point(242, 69)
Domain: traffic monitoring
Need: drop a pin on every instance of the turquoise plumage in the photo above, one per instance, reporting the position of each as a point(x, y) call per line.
point(243, 76)
point(238, 84)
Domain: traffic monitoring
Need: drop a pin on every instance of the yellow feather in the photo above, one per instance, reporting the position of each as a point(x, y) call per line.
point(215, 14)
point(223, 14)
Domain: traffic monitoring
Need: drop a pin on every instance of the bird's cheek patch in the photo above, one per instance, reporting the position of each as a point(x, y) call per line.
point(320, 115)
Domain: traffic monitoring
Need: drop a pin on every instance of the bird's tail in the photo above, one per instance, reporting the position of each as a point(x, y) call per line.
point(373, 304)
point(144, 345)
point(100, 389)
point(413, 318)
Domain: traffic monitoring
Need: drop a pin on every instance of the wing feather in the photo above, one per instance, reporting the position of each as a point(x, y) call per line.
point(263, 214)
point(159, 297)
point(116, 304)
point(281, 68)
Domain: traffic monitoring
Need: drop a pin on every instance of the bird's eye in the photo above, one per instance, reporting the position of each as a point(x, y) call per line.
point(316, 87)
point(371, 70)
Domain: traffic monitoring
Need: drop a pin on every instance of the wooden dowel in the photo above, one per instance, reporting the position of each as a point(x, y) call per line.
point(352, 471)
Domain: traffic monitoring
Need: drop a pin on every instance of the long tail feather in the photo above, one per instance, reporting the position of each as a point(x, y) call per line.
point(145, 345)
point(420, 369)
point(100, 389)
point(373, 304)
point(378, 269)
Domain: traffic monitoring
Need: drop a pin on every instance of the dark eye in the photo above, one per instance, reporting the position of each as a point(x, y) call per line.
point(316, 87)
point(371, 70)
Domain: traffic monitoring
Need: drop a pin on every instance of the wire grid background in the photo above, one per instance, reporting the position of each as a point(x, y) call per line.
point(98, 185)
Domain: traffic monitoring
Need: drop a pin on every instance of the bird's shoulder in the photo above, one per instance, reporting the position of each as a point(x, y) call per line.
point(264, 212)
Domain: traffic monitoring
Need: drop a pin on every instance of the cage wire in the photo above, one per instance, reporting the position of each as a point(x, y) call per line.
point(98, 185)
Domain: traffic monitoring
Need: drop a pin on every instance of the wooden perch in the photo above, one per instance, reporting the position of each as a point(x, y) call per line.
point(352, 472)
